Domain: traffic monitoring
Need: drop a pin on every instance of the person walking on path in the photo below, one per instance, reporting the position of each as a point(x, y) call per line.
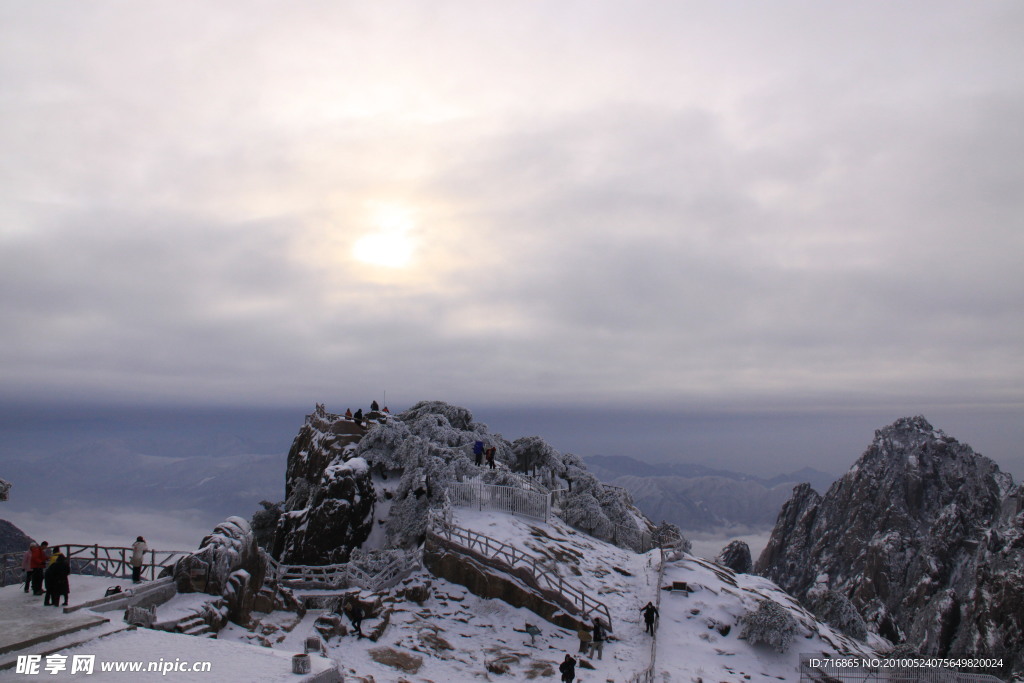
point(38, 564)
point(26, 564)
point(478, 453)
point(650, 617)
point(568, 669)
point(599, 635)
point(585, 638)
point(139, 549)
point(355, 615)
point(56, 578)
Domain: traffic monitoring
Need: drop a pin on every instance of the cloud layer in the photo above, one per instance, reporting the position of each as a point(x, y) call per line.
point(696, 203)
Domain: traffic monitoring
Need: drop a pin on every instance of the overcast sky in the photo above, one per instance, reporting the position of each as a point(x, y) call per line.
point(742, 205)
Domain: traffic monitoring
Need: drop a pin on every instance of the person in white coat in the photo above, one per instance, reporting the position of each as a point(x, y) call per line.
point(139, 549)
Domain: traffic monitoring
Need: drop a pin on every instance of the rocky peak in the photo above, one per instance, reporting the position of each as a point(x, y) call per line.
point(900, 535)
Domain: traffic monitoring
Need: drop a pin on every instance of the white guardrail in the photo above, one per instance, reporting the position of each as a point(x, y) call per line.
point(509, 499)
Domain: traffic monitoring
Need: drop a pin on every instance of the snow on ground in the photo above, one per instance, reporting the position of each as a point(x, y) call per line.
point(227, 661)
point(699, 631)
point(454, 635)
point(181, 606)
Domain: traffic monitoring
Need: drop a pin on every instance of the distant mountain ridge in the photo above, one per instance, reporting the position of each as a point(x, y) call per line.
point(696, 497)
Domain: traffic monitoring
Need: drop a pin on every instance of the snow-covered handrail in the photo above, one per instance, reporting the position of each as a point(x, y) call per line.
point(497, 550)
point(528, 482)
point(98, 560)
point(509, 499)
point(345, 574)
point(647, 675)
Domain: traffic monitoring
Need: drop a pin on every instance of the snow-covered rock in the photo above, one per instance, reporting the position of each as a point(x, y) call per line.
point(922, 535)
point(329, 496)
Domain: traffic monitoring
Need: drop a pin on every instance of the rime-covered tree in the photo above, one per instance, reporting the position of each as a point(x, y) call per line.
point(533, 453)
point(264, 523)
point(459, 418)
point(770, 624)
point(836, 610)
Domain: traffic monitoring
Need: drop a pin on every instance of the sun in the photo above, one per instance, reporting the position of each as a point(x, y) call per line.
point(389, 242)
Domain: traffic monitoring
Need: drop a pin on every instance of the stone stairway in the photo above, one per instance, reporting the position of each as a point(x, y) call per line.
point(46, 639)
point(195, 626)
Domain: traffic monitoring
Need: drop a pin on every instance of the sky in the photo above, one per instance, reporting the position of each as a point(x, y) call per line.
point(741, 207)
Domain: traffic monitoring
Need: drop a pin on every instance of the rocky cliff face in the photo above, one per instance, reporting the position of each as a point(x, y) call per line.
point(328, 510)
point(922, 535)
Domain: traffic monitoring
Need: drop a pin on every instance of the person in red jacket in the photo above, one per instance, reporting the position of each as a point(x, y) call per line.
point(40, 554)
point(26, 564)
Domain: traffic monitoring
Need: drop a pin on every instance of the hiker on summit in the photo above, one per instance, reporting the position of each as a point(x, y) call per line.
point(57, 580)
point(374, 406)
point(139, 549)
point(358, 417)
point(568, 669)
point(650, 615)
point(478, 452)
point(38, 563)
point(26, 564)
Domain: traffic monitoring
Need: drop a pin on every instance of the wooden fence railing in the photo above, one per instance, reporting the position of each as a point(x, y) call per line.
point(95, 560)
point(513, 557)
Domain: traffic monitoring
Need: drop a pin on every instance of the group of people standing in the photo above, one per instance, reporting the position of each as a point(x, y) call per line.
point(47, 570)
point(480, 453)
point(47, 573)
point(357, 416)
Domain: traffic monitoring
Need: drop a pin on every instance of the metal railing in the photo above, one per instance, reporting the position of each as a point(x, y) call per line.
point(647, 675)
point(836, 674)
point(343, 575)
point(509, 499)
point(513, 557)
point(95, 560)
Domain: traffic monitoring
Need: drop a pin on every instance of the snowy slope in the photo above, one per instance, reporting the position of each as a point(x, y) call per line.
point(455, 636)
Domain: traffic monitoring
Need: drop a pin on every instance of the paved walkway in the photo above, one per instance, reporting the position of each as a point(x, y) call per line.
point(25, 621)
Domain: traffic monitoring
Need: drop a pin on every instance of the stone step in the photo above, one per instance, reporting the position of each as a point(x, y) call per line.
point(60, 642)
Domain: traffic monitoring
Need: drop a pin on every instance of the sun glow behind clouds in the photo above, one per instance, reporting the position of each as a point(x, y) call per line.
point(390, 242)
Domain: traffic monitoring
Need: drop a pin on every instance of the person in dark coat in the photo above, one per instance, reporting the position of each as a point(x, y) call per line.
point(478, 452)
point(597, 645)
point(568, 669)
point(650, 616)
point(375, 406)
point(355, 615)
point(56, 578)
point(490, 457)
point(358, 417)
